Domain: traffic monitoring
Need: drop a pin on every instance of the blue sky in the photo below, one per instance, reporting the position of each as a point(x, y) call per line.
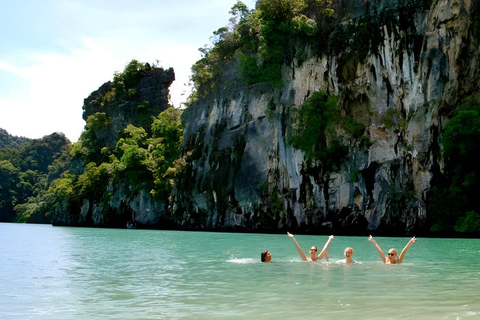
point(54, 53)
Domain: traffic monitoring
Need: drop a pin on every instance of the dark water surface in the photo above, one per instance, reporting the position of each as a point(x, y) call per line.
point(80, 273)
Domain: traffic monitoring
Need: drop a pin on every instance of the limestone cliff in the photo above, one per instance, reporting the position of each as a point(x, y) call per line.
point(152, 88)
point(241, 171)
point(114, 202)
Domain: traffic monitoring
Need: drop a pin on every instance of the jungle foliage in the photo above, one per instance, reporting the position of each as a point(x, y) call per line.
point(25, 174)
point(260, 40)
point(141, 159)
point(9, 141)
point(51, 173)
point(454, 202)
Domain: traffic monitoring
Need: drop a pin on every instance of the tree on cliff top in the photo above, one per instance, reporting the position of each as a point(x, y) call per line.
point(263, 40)
point(277, 33)
point(129, 78)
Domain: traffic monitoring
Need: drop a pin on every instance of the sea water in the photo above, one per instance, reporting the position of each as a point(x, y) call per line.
point(51, 272)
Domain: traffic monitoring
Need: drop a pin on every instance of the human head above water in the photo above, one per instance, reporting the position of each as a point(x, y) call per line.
point(266, 256)
point(392, 255)
point(348, 252)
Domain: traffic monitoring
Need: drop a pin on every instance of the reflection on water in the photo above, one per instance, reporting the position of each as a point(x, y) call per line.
point(77, 273)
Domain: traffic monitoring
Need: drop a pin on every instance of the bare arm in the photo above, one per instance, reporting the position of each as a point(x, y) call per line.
point(378, 248)
point(402, 254)
point(324, 252)
point(302, 255)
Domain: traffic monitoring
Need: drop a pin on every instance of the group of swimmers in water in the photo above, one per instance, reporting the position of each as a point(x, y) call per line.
point(391, 257)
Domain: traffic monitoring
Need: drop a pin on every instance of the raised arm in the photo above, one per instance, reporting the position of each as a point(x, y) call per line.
point(324, 252)
point(378, 248)
point(402, 254)
point(302, 255)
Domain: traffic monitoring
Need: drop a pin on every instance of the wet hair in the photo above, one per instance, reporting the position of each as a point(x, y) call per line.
point(263, 255)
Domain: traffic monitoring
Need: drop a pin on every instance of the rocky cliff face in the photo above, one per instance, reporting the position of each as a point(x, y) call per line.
point(242, 172)
point(152, 89)
point(121, 202)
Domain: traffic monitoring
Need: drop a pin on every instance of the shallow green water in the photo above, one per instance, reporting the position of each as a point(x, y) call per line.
point(79, 273)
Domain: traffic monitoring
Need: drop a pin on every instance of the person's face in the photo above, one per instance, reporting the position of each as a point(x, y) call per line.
point(348, 252)
point(392, 255)
point(268, 257)
point(313, 251)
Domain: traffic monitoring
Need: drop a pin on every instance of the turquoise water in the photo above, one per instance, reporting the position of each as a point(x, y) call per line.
point(79, 273)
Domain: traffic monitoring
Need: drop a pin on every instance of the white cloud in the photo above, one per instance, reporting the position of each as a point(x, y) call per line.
point(59, 83)
point(86, 45)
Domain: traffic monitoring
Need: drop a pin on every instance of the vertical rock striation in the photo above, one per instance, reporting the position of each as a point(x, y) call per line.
point(241, 171)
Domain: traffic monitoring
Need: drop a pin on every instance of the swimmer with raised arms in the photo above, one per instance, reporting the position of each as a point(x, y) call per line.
point(392, 253)
point(313, 250)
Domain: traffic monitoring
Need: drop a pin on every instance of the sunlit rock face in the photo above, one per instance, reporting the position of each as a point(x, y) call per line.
point(242, 173)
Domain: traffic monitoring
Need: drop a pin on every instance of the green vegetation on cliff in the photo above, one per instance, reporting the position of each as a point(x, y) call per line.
point(140, 157)
point(454, 204)
point(262, 40)
point(139, 160)
point(278, 32)
point(314, 125)
point(260, 44)
point(131, 142)
point(50, 175)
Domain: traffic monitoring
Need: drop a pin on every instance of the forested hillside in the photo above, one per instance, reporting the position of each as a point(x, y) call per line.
point(9, 141)
point(26, 172)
